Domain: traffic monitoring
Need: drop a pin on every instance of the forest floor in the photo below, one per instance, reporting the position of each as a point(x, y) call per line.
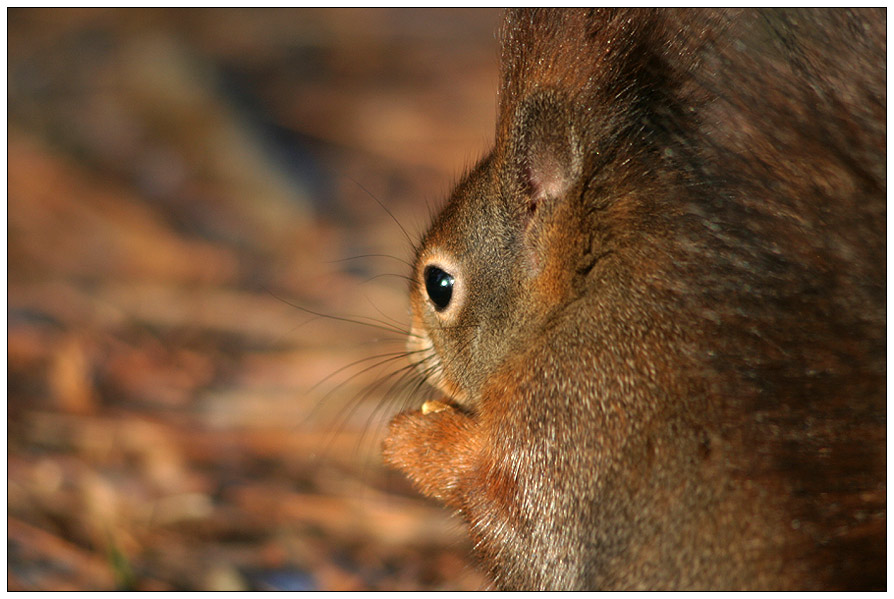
point(192, 195)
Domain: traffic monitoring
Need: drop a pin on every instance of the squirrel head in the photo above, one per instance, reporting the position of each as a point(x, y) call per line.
point(503, 253)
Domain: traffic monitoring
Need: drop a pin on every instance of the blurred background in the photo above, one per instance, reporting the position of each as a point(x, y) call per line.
point(183, 186)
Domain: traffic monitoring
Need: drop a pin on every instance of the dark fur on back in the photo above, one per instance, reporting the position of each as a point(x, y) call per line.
point(669, 368)
point(789, 258)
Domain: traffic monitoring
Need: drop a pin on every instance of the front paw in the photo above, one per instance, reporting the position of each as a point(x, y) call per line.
point(436, 448)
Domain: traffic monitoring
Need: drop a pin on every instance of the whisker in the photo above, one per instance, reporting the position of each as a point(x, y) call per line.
point(385, 316)
point(370, 256)
point(376, 324)
point(408, 372)
point(388, 357)
point(390, 274)
point(385, 208)
point(381, 362)
point(367, 391)
point(344, 414)
point(387, 326)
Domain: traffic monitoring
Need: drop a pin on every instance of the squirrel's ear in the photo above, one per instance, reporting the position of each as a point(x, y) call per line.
point(547, 158)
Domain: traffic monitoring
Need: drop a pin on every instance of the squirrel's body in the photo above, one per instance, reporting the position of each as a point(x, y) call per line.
point(657, 308)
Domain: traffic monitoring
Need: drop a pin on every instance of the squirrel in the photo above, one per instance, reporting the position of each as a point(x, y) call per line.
point(655, 310)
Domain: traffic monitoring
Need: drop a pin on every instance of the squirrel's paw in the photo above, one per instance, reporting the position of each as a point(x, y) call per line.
point(436, 448)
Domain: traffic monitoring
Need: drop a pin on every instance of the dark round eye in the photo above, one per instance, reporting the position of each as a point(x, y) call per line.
point(439, 286)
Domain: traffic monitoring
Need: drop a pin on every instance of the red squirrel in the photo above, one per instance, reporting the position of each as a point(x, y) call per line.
point(656, 311)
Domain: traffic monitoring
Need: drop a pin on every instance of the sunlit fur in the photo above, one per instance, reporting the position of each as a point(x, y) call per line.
point(668, 369)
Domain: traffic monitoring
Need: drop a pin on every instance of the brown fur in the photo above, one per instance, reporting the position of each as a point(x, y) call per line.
point(666, 348)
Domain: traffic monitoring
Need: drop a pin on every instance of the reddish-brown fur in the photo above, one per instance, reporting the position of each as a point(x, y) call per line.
point(666, 352)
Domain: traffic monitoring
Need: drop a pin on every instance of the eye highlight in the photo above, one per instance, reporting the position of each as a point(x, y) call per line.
point(439, 286)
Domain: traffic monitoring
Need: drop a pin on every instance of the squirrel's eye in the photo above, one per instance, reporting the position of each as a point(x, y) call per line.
point(439, 286)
